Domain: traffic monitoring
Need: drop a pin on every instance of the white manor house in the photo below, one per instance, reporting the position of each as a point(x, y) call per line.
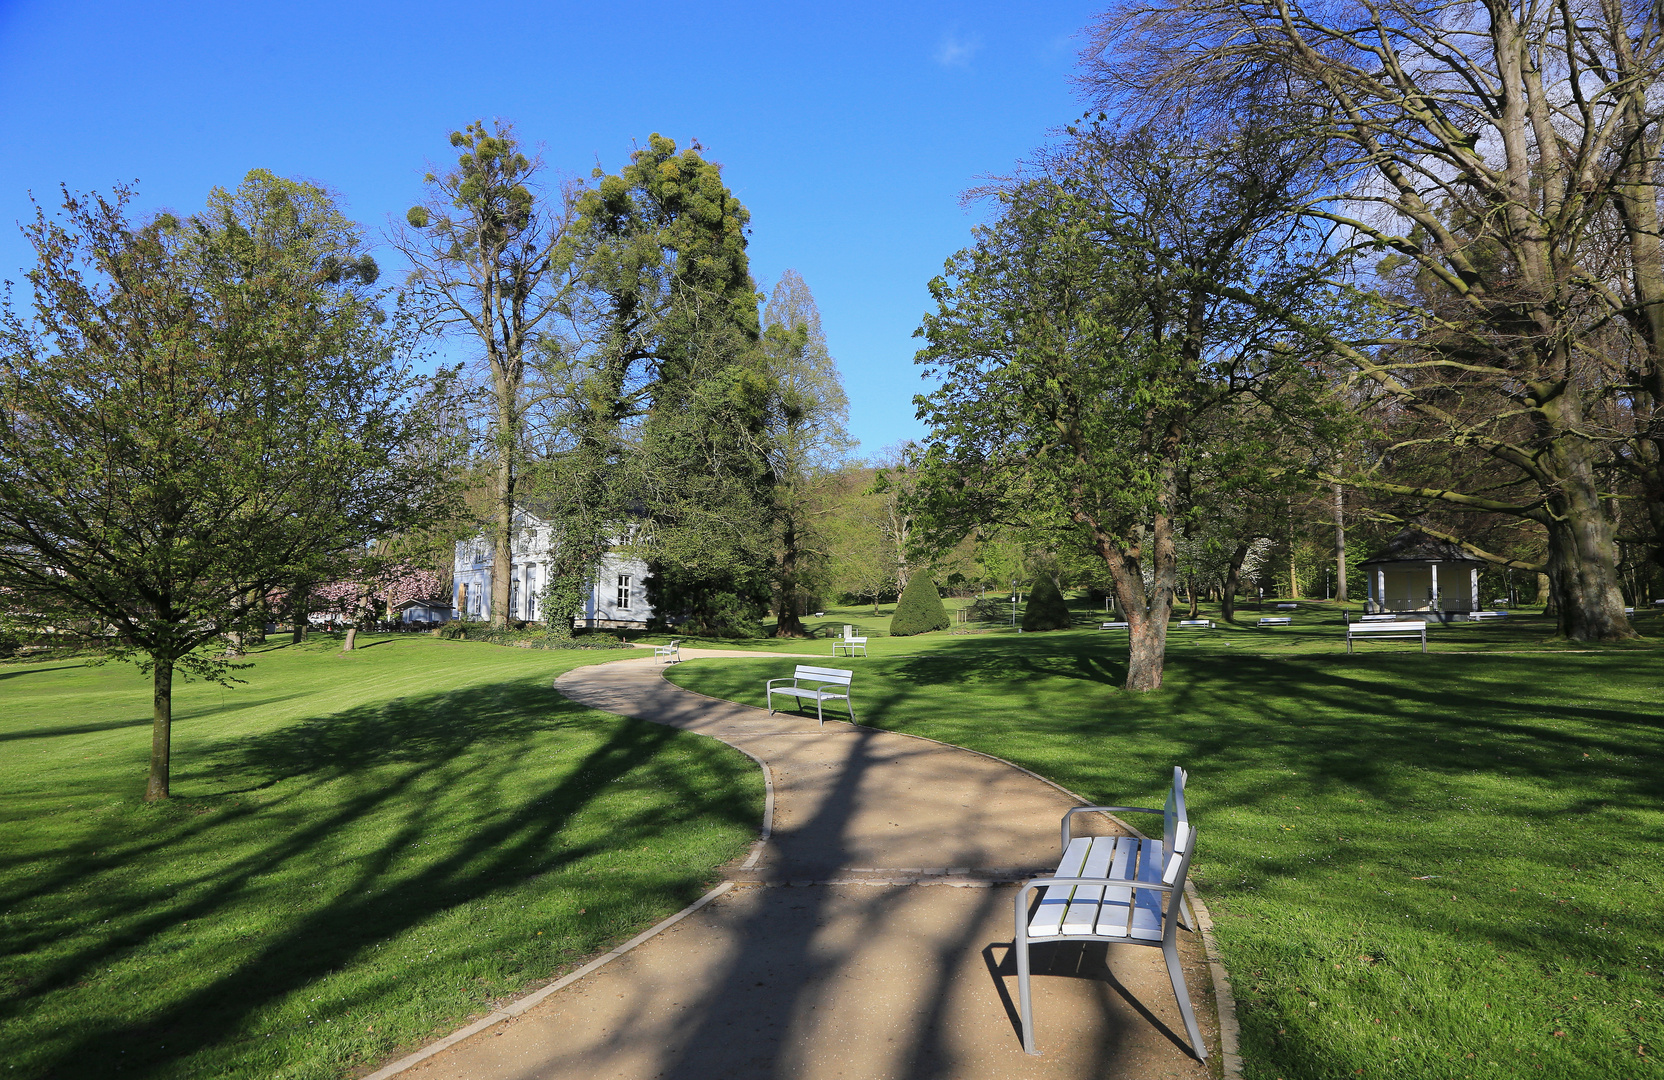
point(617, 596)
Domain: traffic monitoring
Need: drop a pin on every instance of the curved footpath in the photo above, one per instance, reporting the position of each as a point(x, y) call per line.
point(866, 937)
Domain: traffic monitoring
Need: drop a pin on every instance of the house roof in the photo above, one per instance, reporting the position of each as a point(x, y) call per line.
point(446, 604)
point(1412, 545)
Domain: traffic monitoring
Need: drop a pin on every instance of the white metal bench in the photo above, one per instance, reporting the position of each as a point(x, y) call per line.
point(1288, 607)
point(821, 678)
point(1277, 620)
point(1195, 624)
point(672, 652)
point(850, 642)
point(1407, 629)
point(1110, 888)
point(1476, 616)
point(1113, 626)
point(1386, 617)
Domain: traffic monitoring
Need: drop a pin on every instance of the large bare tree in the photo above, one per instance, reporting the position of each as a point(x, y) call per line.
point(1505, 154)
point(488, 253)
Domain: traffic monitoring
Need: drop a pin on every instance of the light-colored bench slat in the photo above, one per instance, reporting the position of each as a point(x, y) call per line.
point(1054, 899)
point(1083, 906)
point(1117, 904)
point(1146, 904)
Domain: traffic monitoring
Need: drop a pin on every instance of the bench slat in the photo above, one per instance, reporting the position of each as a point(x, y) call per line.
point(824, 674)
point(1146, 904)
point(1054, 899)
point(1083, 906)
point(1117, 903)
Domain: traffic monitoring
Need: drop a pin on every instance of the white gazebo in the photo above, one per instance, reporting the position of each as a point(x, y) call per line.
point(1416, 573)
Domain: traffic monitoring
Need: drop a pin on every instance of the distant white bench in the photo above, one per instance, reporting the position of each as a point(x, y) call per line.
point(850, 642)
point(1195, 624)
point(1110, 888)
point(1406, 629)
point(1113, 626)
point(1477, 616)
point(672, 652)
point(818, 693)
point(1276, 620)
point(1383, 617)
point(1288, 607)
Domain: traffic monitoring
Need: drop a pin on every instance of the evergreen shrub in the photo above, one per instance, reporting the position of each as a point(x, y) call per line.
point(919, 610)
point(1046, 609)
point(528, 639)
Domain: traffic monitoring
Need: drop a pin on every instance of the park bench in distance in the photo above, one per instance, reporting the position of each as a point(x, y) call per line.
point(1110, 888)
point(1195, 624)
point(1477, 616)
point(1407, 629)
point(1113, 626)
point(850, 642)
point(821, 678)
point(1277, 620)
point(672, 653)
point(1288, 607)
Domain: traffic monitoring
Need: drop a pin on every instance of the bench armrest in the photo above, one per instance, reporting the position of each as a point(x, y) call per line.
point(1068, 835)
point(792, 680)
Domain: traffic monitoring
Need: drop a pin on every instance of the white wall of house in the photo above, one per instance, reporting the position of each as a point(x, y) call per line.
point(616, 596)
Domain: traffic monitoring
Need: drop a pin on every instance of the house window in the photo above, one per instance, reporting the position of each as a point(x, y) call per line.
point(623, 592)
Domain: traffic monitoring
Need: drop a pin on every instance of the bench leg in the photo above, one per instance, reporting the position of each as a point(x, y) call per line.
point(820, 711)
point(1025, 1006)
point(771, 702)
point(849, 706)
point(1170, 952)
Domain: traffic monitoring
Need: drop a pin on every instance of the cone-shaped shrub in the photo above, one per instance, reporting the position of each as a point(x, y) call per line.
point(919, 609)
point(1046, 609)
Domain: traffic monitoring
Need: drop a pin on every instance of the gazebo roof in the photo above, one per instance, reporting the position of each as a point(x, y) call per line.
point(1412, 545)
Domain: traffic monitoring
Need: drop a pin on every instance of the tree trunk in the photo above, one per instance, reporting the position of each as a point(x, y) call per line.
point(1190, 584)
point(299, 601)
point(1233, 580)
point(1340, 542)
point(161, 730)
point(788, 624)
point(1588, 602)
point(352, 634)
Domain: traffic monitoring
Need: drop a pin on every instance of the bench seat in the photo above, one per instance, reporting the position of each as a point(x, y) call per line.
point(1407, 629)
point(816, 684)
point(1116, 889)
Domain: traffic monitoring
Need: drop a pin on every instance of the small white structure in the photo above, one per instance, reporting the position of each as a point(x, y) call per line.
point(617, 597)
point(425, 611)
point(1416, 573)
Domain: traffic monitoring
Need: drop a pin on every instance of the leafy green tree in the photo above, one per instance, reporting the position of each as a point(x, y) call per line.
point(1506, 156)
point(920, 609)
point(1046, 609)
point(806, 440)
point(197, 412)
point(489, 257)
point(669, 338)
point(1087, 344)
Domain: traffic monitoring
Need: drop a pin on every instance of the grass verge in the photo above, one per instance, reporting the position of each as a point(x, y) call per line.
point(1420, 866)
point(364, 850)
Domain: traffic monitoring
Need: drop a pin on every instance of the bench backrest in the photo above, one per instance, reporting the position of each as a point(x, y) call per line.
point(1277, 620)
point(824, 674)
point(1174, 812)
point(1387, 627)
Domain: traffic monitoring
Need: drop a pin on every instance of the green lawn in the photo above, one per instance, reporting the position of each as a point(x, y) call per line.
point(1420, 866)
point(363, 851)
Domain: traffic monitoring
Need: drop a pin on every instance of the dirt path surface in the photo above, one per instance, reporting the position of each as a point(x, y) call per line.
point(869, 938)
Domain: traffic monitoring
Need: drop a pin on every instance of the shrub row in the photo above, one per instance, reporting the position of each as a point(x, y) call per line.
point(528, 639)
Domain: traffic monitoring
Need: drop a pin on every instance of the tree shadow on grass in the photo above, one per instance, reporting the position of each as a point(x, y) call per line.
point(400, 761)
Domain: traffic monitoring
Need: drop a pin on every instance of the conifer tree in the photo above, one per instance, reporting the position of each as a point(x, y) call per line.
point(920, 608)
point(1046, 609)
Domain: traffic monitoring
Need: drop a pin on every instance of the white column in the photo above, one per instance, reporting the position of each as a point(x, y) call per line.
point(1473, 596)
point(1434, 603)
point(1380, 589)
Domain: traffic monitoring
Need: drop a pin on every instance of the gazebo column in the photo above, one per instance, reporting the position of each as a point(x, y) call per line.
point(1380, 589)
point(1433, 601)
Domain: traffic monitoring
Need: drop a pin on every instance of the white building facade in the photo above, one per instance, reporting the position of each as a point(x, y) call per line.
point(617, 598)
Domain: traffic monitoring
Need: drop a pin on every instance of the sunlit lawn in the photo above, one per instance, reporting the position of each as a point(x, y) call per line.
point(364, 850)
point(1420, 866)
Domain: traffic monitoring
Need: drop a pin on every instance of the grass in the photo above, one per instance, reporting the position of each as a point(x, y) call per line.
point(1420, 866)
point(363, 851)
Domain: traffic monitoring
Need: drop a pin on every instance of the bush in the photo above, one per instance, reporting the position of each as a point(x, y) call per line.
point(527, 639)
point(919, 610)
point(1046, 609)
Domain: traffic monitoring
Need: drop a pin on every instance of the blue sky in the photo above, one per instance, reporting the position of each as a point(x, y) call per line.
point(848, 130)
